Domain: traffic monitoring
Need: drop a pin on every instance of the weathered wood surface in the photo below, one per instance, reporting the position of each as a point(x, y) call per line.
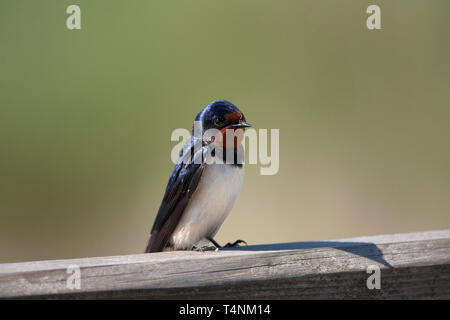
point(413, 265)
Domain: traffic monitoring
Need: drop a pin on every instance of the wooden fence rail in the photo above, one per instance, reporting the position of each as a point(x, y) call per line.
point(411, 265)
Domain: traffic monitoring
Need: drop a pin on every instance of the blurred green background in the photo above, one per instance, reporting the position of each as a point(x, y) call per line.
point(86, 117)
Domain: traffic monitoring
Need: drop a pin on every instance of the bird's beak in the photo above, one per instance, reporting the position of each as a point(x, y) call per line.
point(242, 124)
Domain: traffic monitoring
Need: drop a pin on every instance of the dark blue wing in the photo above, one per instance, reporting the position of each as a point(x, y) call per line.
point(182, 184)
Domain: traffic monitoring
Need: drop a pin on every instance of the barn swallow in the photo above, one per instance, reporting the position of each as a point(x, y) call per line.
point(200, 193)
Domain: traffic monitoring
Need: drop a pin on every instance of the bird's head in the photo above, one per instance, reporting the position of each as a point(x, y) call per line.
point(222, 115)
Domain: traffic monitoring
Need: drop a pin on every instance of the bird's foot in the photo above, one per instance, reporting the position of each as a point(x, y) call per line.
point(228, 245)
point(234, 244)
point(204, 248)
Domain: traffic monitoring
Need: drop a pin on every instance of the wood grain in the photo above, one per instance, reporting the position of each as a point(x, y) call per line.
point(413, 265)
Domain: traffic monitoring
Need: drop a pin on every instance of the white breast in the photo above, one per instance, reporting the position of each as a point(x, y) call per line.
point(213, 200)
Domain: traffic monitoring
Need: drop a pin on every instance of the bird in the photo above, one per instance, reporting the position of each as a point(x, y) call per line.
point(205, 182)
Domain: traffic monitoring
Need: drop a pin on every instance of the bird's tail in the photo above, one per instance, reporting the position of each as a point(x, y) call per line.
point(154, 243)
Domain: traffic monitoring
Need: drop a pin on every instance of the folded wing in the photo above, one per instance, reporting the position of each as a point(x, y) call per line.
point(181, 186)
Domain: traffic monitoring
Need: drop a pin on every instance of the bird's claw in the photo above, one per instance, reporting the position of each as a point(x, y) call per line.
point(214, 248)
point(234, 244)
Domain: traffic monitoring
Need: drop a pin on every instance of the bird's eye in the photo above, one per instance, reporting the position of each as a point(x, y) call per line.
point(216, 120)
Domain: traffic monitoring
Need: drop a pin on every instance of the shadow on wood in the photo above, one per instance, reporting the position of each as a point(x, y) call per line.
point(363, 249)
